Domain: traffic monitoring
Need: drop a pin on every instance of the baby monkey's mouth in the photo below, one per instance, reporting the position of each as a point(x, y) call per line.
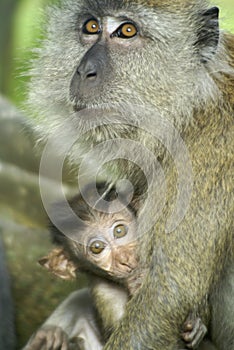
point(124, 267)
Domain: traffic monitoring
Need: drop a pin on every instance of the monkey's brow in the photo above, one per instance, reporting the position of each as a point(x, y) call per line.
point(100, 8)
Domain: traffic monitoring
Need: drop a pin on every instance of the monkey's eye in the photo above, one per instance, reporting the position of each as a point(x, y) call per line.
point(120, 231)
point(91, 26)
point(126, 30)
point(97, 247)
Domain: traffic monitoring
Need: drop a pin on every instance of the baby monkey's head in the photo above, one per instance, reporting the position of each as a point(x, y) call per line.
point(100, 242)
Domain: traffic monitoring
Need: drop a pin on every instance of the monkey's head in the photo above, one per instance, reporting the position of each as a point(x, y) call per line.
point(102, 242)
point(107, 245)
point(103, 59)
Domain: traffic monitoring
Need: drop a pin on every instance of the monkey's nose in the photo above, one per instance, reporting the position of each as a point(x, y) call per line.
point(87, 72)
point(123, 257)
point(89, 76)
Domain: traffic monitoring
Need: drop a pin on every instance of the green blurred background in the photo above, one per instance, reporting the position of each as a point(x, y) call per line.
point(22, 218)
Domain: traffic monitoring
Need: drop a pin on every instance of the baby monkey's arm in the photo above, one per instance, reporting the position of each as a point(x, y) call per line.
point(71, 326)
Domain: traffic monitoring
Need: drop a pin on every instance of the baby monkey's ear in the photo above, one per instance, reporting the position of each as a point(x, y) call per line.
point(59, 264)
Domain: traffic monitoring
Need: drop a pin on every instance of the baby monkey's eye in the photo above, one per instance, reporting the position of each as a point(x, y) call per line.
point(97, 247)
point(91, 26)
point(120, 231)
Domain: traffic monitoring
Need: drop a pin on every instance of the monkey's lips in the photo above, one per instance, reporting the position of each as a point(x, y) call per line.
point(85, 113)
point(123, 269)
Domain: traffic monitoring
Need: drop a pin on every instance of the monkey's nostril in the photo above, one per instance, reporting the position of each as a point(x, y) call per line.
point(86, 75)
point(91, 75)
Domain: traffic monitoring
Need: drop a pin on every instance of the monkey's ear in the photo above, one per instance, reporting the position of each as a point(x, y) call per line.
point(208, 34)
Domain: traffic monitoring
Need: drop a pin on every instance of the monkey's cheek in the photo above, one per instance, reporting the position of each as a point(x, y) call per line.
point(74, 92)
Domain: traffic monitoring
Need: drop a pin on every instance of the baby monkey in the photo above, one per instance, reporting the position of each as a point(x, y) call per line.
point(104, 246)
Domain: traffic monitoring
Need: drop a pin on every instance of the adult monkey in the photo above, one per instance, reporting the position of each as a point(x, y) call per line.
point(169, 56)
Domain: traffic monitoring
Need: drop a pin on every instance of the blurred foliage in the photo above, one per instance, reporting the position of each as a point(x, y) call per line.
point(21, 22)
point(20, 27)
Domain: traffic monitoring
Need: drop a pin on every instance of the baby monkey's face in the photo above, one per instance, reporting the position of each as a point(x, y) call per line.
point(108, 242)
point(102, 243)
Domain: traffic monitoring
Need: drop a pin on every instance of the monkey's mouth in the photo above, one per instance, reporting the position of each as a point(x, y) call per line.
point(97, 113)
point(95, 107)
point(79, 108)
point(124, 269)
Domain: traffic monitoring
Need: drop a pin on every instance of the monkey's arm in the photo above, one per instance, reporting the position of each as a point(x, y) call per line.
point(159, 321)
point(193, 331)
point(71, 325)
point(170, 289)
point(184, 265)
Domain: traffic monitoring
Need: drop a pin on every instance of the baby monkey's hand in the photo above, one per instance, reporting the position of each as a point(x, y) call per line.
point(48, 338)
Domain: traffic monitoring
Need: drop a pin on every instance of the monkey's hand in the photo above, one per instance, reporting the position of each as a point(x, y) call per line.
point(48, 338)
point(59, 264)
point(194, 331)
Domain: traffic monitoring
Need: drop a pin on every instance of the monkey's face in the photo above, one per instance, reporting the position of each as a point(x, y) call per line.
point(111, 254)
point(109, 245)
point(110, 55)
point(112, 44)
